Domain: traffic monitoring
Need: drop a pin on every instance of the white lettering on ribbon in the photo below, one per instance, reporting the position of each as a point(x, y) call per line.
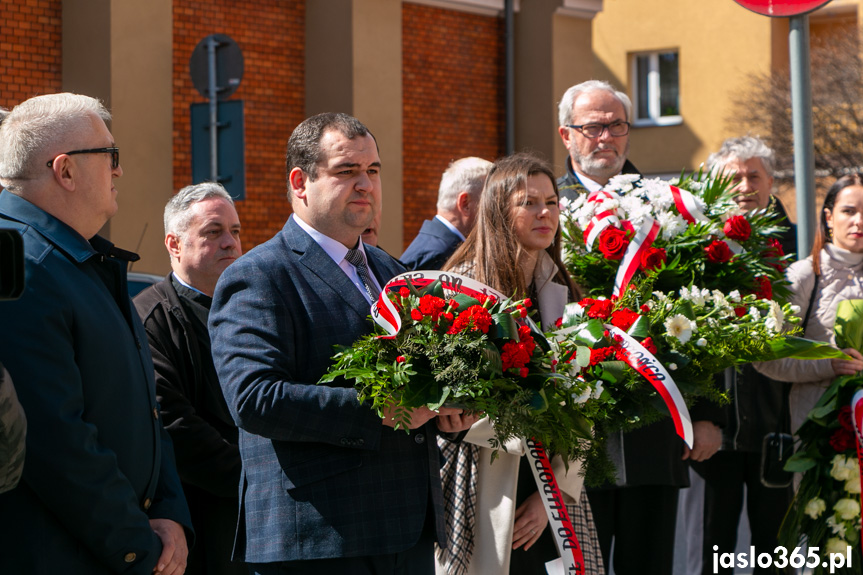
point(649, 367)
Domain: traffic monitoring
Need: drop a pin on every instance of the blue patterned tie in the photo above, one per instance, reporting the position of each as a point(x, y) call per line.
point(356, 258)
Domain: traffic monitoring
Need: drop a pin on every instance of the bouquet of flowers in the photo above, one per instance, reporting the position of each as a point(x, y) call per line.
point(689, 234)
point(682, 285)
point(826, 508)
point(449, 343)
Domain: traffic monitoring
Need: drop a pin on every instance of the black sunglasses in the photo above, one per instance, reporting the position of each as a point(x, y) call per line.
point(115, 155)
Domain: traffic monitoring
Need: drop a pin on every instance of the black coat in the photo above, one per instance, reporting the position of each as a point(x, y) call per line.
point(197, 417)
point(432, 247)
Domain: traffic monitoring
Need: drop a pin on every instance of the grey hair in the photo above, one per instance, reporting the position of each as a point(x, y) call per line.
point(743, 149)
point(28, 132)
point(467, 174)
point(564, 109)
point(177, 214)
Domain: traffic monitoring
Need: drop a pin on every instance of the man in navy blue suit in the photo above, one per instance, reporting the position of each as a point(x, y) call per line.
point(327, 486)
point(457, 207)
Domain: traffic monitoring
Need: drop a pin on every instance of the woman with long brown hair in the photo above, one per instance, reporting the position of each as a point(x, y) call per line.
point(496, 522)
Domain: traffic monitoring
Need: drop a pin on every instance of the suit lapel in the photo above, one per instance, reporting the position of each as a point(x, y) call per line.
point(321, 265)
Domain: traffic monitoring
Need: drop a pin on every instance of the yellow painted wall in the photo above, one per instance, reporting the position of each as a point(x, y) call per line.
point(719, 43)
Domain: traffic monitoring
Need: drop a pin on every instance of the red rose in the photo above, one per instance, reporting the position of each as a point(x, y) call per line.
point(652, 258)
point(623, 318)
point(737, 228)
point(613, 243)
point(763, 287)
point(718, 252)
point(842, 440)
point(845, 418)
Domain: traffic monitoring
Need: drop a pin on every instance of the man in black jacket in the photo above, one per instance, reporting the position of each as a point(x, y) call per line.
point(202, 235)
point(638, 512)
point(759, 404)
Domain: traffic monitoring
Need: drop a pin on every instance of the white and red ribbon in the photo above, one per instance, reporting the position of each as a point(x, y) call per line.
point(632, 257)
point(384, 310)
point(552, 500)
point(649, 367)
point(598, 223)
point(686, 204)
point(857, 421)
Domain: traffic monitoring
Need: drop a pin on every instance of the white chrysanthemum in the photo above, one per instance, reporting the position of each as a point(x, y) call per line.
point(660, 296)
point(734, 295)
point(659, 195)
point(835, 545)
point(719, 301)
point(815, 507)
point(598, 390)
point(754, 313)
point(623, 182)
point(847, 509)
point(695, 186)
point(680, 327)
point(672, 224)
point(631, 205)
point(775, 318)
point(843, 468)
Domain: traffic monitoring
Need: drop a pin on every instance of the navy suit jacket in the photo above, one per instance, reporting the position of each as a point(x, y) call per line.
point(322, 476)
point(431, 248)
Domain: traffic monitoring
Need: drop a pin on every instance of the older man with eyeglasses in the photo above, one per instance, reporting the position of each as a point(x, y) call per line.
point(594, 126)
point(637, 513)
point(99, 492)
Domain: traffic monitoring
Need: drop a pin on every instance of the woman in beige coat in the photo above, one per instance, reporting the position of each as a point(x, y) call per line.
point(496, 520)
point(834, 272)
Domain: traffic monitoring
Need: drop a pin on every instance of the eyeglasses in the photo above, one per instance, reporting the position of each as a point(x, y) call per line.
point(115, 155)
point(592, 131)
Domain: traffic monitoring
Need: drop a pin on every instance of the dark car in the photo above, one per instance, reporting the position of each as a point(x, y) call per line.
point(139, 281)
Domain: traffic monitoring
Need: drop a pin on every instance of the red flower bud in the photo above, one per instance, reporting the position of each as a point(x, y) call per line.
point(401, 359)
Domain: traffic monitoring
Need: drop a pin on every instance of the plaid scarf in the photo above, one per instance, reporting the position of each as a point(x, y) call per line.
point(458, 478)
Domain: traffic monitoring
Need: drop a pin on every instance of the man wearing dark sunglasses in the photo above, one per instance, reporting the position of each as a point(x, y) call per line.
point(99, 486)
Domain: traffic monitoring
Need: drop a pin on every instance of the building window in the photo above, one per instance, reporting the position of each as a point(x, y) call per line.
point(657, 88)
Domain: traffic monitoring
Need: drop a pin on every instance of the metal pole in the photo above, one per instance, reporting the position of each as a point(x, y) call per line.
point(801, 119)
point(214, 109)
point(509, 103)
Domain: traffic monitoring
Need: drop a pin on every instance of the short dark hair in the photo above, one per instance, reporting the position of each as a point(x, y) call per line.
point(304, 145)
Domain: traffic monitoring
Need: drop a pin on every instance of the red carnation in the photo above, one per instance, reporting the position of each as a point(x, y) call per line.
point(613, 243)
point(432, 306)
point(523, 372)
point(404, 292)
point(737, 228)
point(774, 251)
point(649, 345)
point(474, 318)
point(401, 359)
point(623, 318)
point(597, 308)
point(527, 302)
point(763, 287)
point(600, 354)
point(718, 252)
point(845, 418)
point(416, 315)
point(842, 440)
point(652, 258)
point(558, 322)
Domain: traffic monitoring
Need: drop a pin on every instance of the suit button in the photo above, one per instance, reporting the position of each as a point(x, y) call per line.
point(129, 557)
point(147, 503)
point(420, 438)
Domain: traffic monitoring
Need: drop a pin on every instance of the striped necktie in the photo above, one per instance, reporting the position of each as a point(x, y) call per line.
point(357, 260)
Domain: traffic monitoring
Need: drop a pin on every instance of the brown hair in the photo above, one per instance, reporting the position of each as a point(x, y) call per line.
point(492, 248)
point(823, 236)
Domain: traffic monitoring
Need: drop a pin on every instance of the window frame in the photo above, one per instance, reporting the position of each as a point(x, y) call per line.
point(653, 90)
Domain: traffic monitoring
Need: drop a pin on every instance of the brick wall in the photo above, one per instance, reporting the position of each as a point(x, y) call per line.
point(30, 49)
point(453, 84)
point(271, 34)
